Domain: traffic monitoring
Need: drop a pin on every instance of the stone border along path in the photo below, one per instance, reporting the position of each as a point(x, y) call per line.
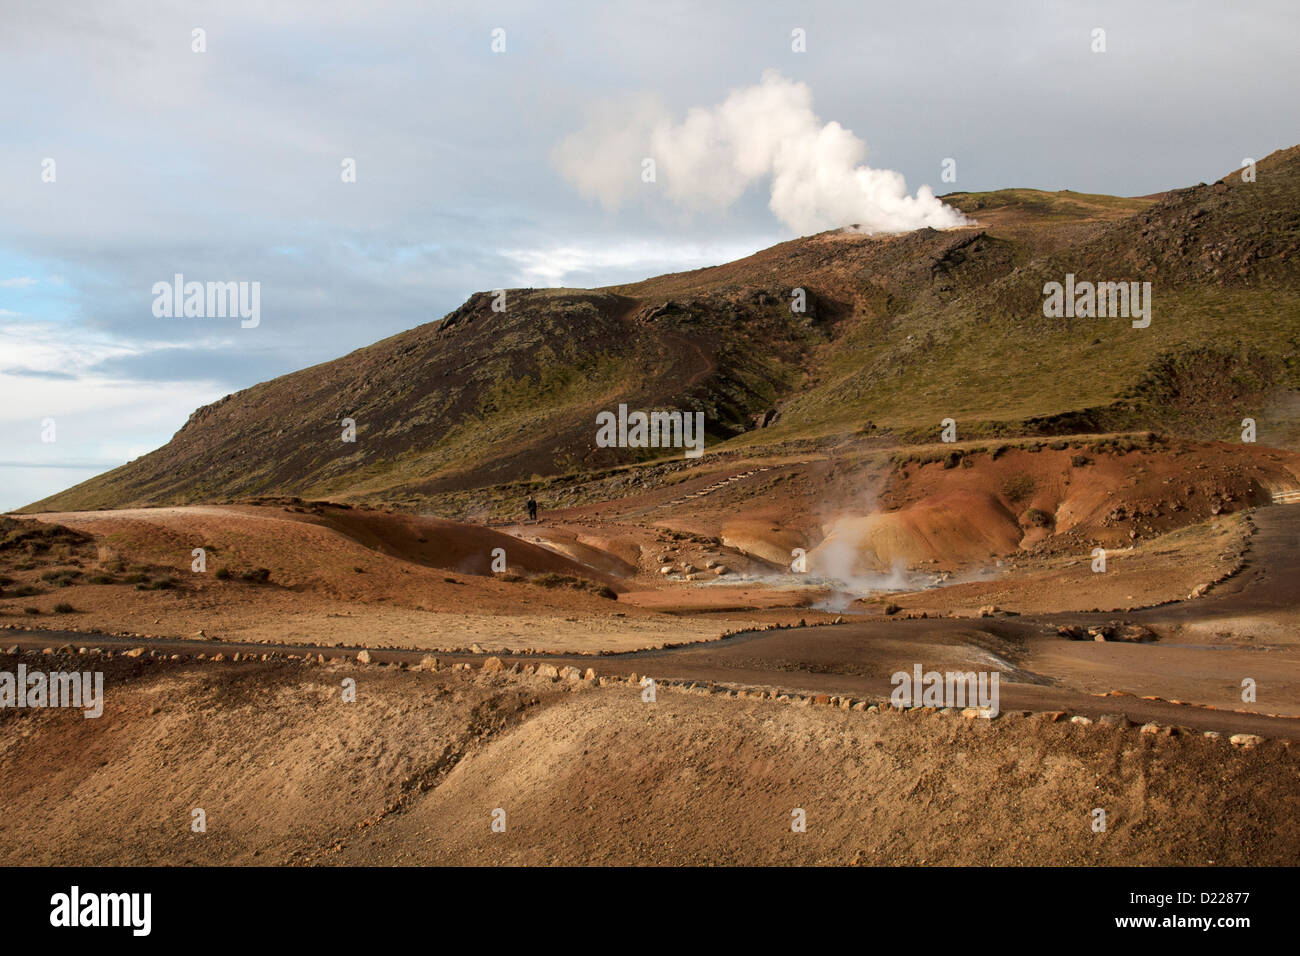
point(722, 483)
point(1273, 542)
point(580, 680)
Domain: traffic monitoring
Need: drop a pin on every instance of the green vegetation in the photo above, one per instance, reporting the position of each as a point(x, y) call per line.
point(900, 332)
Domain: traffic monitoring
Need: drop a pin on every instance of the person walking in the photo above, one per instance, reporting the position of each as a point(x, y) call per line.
point(532, 509)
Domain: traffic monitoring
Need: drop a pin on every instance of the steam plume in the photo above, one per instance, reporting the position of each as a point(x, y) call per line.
point(766, 131)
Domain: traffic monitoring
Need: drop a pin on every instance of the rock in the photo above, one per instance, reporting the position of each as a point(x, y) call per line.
point(988, 610)
point(13, 650)
point(493, 665)
point(821, 699)
point(722, 569)
point(218, 656)
point(199, 633)
point(134, 652)
point(429, 663)
point(475, 649)
point(971, 713)
point(1245, 741)
point(666, 569)
point(1114, 720)
point(363, 656)
point(1133, 634)
point(570, 673)
point(1150, 728)
point(1213, 734)
point(549, 671)
point(1081, 721)
point(590, 674)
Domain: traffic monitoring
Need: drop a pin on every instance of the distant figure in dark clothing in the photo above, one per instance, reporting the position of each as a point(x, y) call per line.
point(532, 509)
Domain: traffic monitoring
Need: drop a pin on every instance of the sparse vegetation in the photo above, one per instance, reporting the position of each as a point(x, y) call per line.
point(1019, 488)
point(61, 579)
point(551, 579)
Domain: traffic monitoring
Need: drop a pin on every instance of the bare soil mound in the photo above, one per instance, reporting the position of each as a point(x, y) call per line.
point(416, 770)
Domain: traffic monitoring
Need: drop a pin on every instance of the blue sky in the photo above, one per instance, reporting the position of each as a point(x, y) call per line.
point(225, 164)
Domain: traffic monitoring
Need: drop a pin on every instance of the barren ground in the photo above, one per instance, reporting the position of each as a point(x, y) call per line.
point(692, 585)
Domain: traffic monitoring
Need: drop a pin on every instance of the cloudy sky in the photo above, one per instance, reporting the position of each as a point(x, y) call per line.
point(471, 164)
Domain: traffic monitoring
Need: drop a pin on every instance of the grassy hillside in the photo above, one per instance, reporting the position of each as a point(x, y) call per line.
point(899, 333)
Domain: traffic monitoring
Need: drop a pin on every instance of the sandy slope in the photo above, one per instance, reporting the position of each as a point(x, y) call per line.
point(412, 772)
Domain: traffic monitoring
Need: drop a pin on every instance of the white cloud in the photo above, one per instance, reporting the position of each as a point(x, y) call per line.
point(573, 264)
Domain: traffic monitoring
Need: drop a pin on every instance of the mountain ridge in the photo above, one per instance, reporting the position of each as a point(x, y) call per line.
point(899, 332)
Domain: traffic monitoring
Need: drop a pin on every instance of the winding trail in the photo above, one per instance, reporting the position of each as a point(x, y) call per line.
point(846, 659)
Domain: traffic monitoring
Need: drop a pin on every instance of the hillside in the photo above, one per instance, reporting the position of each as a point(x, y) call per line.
point(900, 332)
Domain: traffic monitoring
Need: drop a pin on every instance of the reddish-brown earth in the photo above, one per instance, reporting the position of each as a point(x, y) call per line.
point(586, 771)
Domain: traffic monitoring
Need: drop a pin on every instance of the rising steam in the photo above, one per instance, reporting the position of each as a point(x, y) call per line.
point(766, 131)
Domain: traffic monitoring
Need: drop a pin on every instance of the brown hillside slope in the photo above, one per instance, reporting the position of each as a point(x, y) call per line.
point(900, 331)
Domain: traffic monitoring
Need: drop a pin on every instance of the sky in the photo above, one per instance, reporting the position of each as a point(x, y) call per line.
point(128, 156)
